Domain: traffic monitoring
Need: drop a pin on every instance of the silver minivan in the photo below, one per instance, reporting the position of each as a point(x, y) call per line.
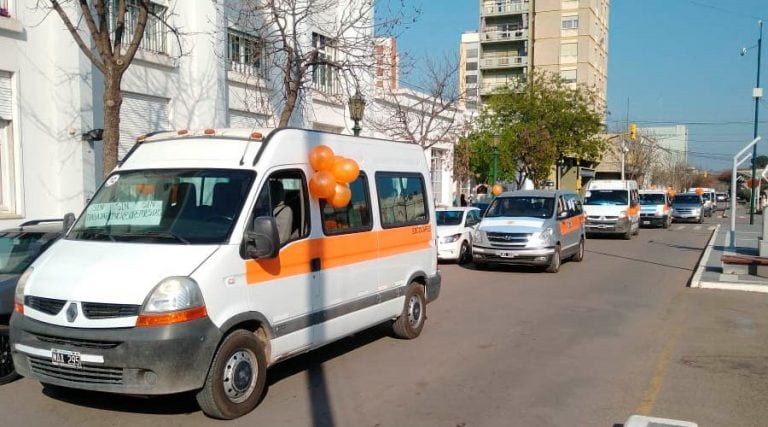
point(531, 228)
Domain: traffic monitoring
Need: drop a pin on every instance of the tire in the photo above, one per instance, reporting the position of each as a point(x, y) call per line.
point(554, 261)
point(701, 219)
point(579, 255)
point(411, 321)
point(236, 378)
point(7, 371)
point(628, 234)
point(465, 253)
point(667, 222)
point(637, 230)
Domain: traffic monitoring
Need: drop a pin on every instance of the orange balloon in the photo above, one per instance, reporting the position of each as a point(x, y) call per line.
point(497, 189)
point(345, 170)
point(341, 197)
point(322, 185)
point(699, 191)
point(321, 158)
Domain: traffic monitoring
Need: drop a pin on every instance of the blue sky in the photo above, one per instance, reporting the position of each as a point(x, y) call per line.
point(676, 61)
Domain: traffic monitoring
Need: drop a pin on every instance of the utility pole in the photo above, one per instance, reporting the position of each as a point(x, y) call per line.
point(757, 93)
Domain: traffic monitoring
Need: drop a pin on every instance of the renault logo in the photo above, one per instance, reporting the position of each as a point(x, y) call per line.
point(72, 313)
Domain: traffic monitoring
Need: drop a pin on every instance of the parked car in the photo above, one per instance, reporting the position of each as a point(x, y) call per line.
point(454, 232)
point(722, 197)
point(688, 207)
point(531, 228)
point(19, 247)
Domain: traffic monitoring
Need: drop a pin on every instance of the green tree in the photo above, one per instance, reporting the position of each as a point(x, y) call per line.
point(534, 126)
point(761, 162)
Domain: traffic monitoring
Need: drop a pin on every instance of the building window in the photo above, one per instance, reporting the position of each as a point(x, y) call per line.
point(471, 66)
point(324, 73)
point(5, 11)
point(471, 79)
point(7, 160)
point(568, 76)
point(437, 174)
point(569, 52)
point(472, 53)
point(245, 53)
point(354, 217)
point(155, 32)
point(570, 22)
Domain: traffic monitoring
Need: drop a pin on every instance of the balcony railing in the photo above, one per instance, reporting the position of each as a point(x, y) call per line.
point(512, 84)
point(503, 62)
point(495, 8)
point(495, 35)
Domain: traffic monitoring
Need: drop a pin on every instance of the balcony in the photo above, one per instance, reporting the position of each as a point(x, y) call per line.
point(500, 62)
point(497, 8)
point(505, 35)
point(490, 88)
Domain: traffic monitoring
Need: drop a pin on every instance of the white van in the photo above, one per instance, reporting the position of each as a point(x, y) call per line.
point(612, 206)
point(203, 259)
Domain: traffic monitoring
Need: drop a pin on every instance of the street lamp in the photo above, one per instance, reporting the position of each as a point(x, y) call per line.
point(356, 110)
point(495, 144)
point(757, 93)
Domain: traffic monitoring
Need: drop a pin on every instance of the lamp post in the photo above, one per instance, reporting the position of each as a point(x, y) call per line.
point(356, 110)
point(495, 156)
point(757, 93)
point(560, 163)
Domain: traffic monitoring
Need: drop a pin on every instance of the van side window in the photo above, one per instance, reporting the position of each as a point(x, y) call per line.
point(573, 204)
point(284, 197)
point(352, 218)
point(402, 199)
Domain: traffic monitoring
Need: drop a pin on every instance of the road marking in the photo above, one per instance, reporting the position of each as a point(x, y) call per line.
point(680, 227)
point(697, 228)
point(677, 306)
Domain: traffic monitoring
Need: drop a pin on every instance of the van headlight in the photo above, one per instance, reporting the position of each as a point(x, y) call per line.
point(542, 239)
point(173, 300)
point(623, 214)
point(18, 296)
point(478, 236)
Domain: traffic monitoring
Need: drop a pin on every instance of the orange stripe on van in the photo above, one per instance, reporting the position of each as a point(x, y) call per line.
point(571, 224)
point(631, 211)
point(338, 251)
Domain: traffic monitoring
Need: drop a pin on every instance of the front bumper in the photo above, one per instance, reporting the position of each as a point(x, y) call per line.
point(522, 256)
point(449, 251)
point(652, 219)
point(607, 227)
point(145, 361)
point(687, 216)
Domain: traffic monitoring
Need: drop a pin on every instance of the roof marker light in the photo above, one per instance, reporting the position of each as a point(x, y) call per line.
point(209, 131)
point(256, 135)
point(141, 138)
point(182, 132)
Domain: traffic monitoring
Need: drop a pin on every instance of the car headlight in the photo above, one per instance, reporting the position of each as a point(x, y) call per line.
point(542, 238)
point(623, 215)
point(451, 238)
point(18, 296)
point(173, 300)
point(696, 210)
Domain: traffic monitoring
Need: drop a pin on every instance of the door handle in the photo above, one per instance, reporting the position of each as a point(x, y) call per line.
point(314, 264)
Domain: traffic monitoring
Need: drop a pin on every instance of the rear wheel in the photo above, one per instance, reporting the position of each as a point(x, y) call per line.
point(411, 320)
point(554, 261)
point(7, 371)
point(236, 379)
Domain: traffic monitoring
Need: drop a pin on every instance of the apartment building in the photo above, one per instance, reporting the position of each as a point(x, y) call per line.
point(566, 37)
point(215, 74)
point(469, 60)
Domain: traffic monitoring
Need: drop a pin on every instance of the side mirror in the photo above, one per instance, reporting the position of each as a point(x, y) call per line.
point(263, 241)
point(563, 214)
point(69, 219)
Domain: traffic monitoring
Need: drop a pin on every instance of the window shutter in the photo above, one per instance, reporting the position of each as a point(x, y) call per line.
point(140, 114)
point(5, 96)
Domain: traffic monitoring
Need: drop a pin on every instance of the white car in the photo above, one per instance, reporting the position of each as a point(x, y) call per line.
point(454, 232)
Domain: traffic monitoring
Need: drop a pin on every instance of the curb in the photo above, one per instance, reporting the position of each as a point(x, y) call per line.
point(730, 286)
point(696, 280)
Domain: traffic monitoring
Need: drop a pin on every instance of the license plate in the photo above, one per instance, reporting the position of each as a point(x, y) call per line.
point(507, 254)
point(66, 358)
point(646, 222)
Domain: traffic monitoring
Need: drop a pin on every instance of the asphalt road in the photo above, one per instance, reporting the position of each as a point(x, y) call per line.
point(615, 335)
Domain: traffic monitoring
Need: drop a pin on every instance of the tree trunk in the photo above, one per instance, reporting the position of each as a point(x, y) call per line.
point(113, 99)
point(290, 103)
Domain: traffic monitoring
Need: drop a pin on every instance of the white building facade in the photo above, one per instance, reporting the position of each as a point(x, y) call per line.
point(209, 77)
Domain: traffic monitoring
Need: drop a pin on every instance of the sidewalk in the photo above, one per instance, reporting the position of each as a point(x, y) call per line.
point(712, 274)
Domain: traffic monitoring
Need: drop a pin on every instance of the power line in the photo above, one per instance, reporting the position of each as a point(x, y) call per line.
point(722, 9)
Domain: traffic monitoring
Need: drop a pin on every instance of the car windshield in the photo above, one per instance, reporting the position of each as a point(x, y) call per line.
point(535, 207)
point(449, 217)
point(606, 197)
point(651, 199)
point(166, 206)
point(687, 199)
point(19, 249)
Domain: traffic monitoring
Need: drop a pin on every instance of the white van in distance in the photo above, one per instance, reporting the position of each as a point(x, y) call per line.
point(612, 207)
point(206, 257)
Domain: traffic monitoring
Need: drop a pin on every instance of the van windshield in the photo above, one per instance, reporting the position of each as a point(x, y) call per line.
point(531, 207)
point(651, 199)
point(165, 206)
point(606, 197)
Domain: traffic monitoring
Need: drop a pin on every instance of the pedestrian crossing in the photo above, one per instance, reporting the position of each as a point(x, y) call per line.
point(694, 227)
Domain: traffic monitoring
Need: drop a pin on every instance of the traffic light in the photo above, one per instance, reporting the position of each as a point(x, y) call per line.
point(632, 131)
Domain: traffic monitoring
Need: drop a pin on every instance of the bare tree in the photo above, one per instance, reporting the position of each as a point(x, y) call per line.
point(313, 45)
point(426, 114)
point(112, 35)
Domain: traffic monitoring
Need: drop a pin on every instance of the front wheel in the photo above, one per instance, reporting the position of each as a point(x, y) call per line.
point(236, 379)
point(7, 371)
point(411, 321)
point(554, 261)
point(465, 253)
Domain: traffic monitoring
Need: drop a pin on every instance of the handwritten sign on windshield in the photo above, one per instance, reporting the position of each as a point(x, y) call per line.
point(147, 212)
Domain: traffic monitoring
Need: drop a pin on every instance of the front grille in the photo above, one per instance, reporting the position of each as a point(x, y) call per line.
point(509, 240)
point(602, 218)
point(46, 305)
point(95, 310)
point(76, 342)
point(684, 211)
point(85, 375)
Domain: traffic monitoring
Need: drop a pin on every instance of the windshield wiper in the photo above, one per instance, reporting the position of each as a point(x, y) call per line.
point(91, 235)
point(155, 234)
